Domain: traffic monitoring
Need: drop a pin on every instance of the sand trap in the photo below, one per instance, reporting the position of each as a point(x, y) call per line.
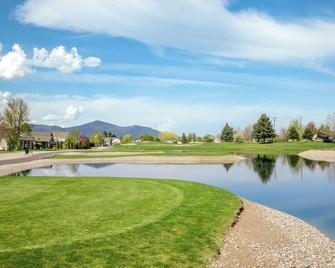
point(319, 155)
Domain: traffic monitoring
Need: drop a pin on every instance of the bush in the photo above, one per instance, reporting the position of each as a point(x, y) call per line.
point(239, 139)
point(127, 138)
point(208, 138)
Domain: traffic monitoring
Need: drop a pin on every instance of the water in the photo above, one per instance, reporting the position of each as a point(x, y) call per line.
point(303, 188)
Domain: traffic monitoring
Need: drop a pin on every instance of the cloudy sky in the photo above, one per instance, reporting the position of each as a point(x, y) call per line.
point(176, 65)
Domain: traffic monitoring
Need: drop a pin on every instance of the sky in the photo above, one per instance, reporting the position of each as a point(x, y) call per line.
point(183, 66)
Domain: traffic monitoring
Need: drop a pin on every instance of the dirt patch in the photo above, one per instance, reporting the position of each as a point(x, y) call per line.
point(319, 155)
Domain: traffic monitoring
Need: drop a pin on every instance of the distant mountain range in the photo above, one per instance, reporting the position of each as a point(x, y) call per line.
point(100, 126)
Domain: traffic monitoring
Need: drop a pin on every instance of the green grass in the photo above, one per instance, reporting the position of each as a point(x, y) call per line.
point(206, 149)
point(85, 155)
point(85, 222)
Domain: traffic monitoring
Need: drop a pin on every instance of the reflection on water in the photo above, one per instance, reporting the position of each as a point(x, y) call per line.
point(228, 166)
point(303, 188)
point(264, 166)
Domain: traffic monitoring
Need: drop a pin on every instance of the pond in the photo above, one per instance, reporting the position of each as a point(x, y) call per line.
point(300, 187)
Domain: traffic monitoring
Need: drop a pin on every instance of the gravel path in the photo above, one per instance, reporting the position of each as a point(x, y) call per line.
point(319, 155)
point(24, 158)
point(265, 237)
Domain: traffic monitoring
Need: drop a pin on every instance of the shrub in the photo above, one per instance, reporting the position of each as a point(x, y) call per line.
point(127, 138)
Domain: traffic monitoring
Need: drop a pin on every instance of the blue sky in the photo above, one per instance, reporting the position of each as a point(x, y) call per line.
point(173, 65)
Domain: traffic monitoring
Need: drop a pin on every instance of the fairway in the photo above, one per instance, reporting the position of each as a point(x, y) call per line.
point(111, 222)
point(204, 149)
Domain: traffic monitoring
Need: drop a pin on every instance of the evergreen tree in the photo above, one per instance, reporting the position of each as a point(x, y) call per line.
point(263, 129)
point(293, 133)
point(227, 133)
point(183, 139)
point(308, 134)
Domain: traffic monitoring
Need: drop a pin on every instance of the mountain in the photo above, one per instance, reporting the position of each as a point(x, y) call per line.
point(99, 126)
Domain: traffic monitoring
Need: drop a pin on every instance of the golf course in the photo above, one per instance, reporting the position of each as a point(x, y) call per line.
point(85, 222)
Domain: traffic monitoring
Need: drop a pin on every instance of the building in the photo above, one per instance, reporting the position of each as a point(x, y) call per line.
point(108, 141)
point(45, 140)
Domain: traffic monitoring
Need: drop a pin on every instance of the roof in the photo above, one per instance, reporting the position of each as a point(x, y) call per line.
point(45, 136)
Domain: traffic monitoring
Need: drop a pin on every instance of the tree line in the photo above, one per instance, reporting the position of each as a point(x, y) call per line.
point(14, 124)
point(263, 131)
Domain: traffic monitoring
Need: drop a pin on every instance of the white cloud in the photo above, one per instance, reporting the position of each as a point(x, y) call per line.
point(92, 62)
point(63, 61)
point(50, 117)
point(4, 96)
point(73, 112)
point(207, 27)
point(16, 64)
point(165, 125)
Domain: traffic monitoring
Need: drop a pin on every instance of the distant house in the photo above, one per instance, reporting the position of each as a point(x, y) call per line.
point(27, 141)
point(39, 140)
point(44, 140)
point(108, 141)
point(116, 141)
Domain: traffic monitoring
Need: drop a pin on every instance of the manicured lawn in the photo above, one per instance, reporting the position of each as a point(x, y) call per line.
point(290, 148)
point(85, 222)
point(206, 149)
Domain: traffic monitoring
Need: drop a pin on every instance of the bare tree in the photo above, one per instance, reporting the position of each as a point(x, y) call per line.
point(2, 127)
point(16, 117)
point(283, 134)
point(247, 133)
point(331, 122)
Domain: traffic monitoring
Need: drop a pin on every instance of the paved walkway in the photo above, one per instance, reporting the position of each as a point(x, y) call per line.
point(27, 158)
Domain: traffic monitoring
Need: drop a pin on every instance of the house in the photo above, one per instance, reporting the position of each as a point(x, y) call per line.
point(116, 141)
point(109, 141)
point(27, 141)
point(44, 140)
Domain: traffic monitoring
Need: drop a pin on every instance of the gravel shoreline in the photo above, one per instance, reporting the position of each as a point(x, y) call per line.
point(319, 155)
point(265, 237)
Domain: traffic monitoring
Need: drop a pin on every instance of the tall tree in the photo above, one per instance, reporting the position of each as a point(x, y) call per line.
point(283, 134)
point(16, 121)
point(183, 139)
point(324, 132)
point(297, 126)
point(308, 134)
point(227, 133)
point(2, 128)
point(73, 139)
point(312, 127)
point(331, 125)
point(247, 133)
point(292, 133)
point(263, 129)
